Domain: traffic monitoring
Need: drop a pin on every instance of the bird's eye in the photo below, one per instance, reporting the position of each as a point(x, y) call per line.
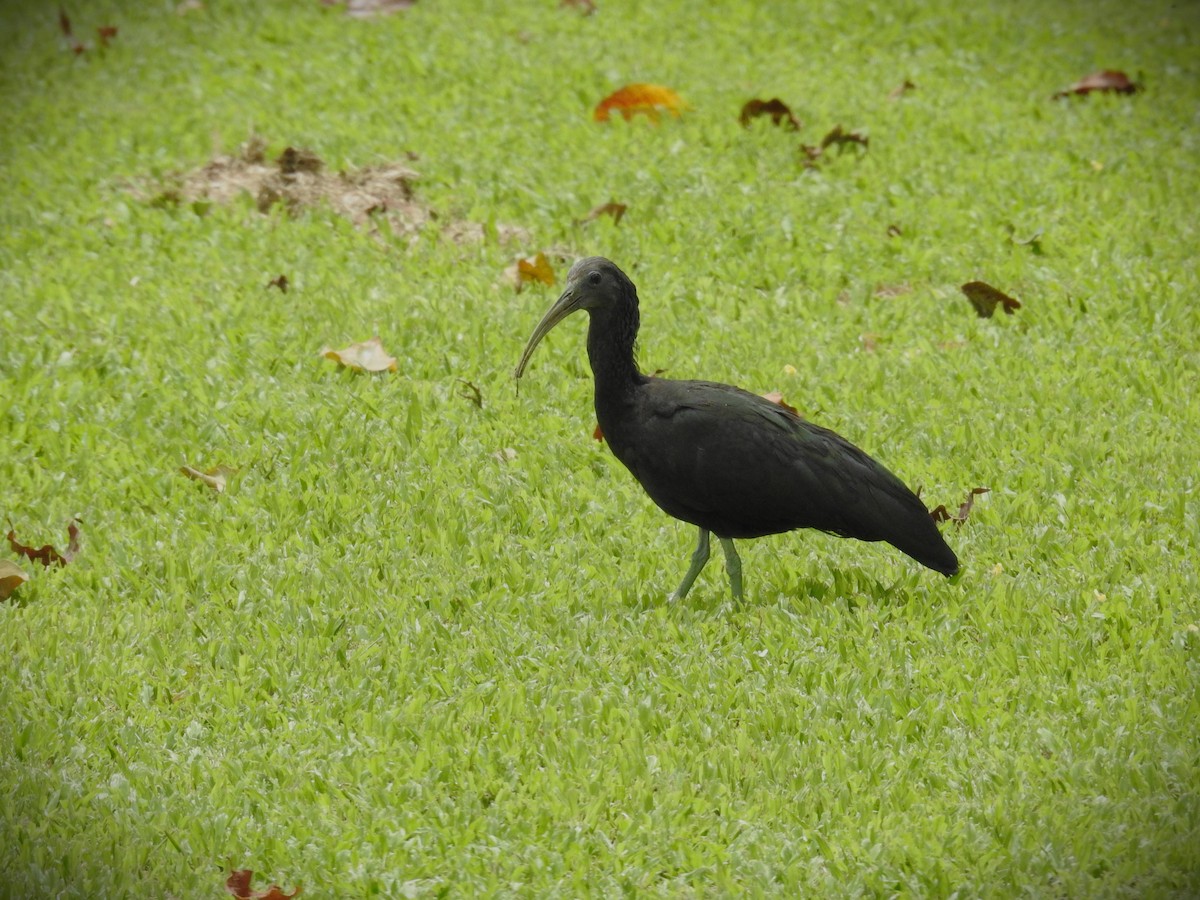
point(594, 278)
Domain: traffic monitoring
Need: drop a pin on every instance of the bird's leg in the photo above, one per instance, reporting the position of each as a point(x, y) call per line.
point(733, 565)
point(699, 558)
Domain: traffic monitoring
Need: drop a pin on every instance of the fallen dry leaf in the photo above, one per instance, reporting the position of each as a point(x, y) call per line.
point(470, 391)
point(281, 282)
point(11, 578)
point(776, 397)
point(530, 269)
point(368, 356)
point(615, 210)
point(585, 7)
point(894, 231)
point(64, 25)
point(597, 433)
point(941, 514)
point(508, 454)
point(986, 298)
point(775, 108)
point(1109, 80)
point(106, 33)
point(238, 884)
point(841, 138)
point(648, 99)
point(46, 554)
point(901, 89)
point(215, 477)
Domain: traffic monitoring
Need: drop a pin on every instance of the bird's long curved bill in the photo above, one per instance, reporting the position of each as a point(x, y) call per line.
point(563, 307)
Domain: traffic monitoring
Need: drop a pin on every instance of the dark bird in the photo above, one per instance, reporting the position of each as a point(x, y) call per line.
point(730, 462)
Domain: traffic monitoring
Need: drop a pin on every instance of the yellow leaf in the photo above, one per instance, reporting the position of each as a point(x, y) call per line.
point(215, 477)
point(11, 578)
point(649, 99)
point(369, 356)
point(532, 268)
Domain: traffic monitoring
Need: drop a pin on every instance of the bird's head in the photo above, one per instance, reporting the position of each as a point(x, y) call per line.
point(595, 284)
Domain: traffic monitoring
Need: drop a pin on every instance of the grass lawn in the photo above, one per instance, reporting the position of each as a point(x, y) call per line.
point(420, 646)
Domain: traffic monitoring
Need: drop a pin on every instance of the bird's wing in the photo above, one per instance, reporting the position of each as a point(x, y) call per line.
point(712, 453)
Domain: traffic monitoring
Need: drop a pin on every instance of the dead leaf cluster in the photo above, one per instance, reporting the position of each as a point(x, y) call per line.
point(13, 576)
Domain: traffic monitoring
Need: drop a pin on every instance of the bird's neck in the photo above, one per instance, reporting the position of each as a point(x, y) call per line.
point(611, 335)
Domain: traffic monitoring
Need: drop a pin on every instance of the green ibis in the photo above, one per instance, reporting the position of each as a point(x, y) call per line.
point(728, 461)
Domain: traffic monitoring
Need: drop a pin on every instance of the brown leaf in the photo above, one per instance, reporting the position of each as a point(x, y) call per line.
point(841, 138)
point(900, 90)
point(64, 23)
point(106, 33)
point(585, 7)
point(986, 298)
point(941, 514)
point(281, 282)
point(1109, 80)
point(616, 210)
point(776, 397)
point(775, 108)
point(11, 578)
point(894, 231)
point(238, 884)
point(530, 269)
point(215, 477)
point(368, 356)
point(649, 99)
point(46, 554)
point(471, 392)
point(597, 433)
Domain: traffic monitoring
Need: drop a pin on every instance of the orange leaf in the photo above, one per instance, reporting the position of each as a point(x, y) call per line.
point(530, 269)
point(598, 434)
point(649, 99)
point(11, 578)
point(986, 298)
point(46, 554)
point(776, 397)
point(775, 108)
point(369, 356)
point(238, 884)
point(106, 34)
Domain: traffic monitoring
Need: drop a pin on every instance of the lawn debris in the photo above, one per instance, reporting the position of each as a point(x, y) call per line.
point(986, 298)
point(901, 89)
point(836, 136)
point(106, 34)
point(468, 390)
point(527, 270)
point(367, 356)
point(47, 555)
point(298, 180)
point(775, 108)
point(612, 209)
point(1112, 81)
point(584, 7)
point(280, 282)
point(238, 884)
point(776, 397)
point(893, 231)
point(369, 9)
point(941, 514)
point(216, 477)
point(12, 577)
point(648, 99)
